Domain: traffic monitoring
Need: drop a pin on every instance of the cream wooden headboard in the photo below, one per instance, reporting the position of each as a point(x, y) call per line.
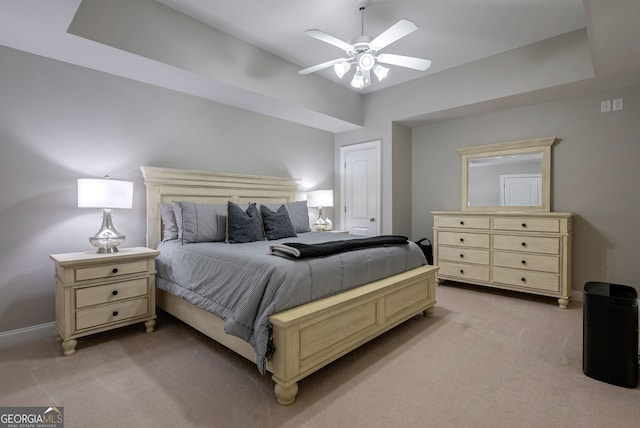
point(166, 184)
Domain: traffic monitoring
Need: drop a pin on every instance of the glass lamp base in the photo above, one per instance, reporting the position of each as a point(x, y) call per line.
point(108, 238)
point(319, 225)
point(106, 245)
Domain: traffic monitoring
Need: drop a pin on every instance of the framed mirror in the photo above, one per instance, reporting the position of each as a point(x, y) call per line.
point(512, 176)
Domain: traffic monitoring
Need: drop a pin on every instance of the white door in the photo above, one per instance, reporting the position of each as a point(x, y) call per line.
point(360, 188)
point(521, 190)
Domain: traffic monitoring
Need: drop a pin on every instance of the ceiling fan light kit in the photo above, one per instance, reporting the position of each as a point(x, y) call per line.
point(363, 52)
point(341, 68)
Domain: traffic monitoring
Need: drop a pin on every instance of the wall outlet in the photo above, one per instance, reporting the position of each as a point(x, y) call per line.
point(617, 104)
point(605, 106)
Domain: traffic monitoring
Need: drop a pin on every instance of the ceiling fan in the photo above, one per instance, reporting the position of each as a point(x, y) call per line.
point(364, 51)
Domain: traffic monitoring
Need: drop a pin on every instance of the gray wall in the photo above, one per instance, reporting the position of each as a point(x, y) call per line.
point(59, 122)
point(595, 174)
point(486, 83)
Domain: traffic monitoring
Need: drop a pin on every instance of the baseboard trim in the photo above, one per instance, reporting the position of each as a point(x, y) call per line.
point(23, 335)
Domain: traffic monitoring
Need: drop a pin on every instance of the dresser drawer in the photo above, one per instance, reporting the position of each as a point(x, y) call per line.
point(463, 239)
point(111, 313)
point(90, 296)
point(464, 271)
point(111, 270)
point(533, 244)
point(527, 224)
point(527, 261)
point(467, 255)
point(527, 279)
point(462, 222)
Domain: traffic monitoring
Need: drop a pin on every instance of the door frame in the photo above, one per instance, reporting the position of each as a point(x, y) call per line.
point(374, 144)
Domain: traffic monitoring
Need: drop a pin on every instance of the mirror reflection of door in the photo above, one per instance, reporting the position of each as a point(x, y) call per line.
point(485, 185)
point(520, 190)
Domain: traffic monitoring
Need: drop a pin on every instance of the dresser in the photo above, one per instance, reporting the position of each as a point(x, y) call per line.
point(99, 292)
point(528, 252)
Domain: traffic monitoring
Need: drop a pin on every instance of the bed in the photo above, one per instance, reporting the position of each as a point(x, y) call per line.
point(306, 337)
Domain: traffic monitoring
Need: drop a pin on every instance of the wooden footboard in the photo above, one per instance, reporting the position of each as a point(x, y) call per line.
point(311, 336)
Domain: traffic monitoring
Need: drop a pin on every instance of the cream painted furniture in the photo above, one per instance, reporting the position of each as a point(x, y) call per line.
point(100, 292)
point(506, 235)
point(307, 337)
point(528, 252)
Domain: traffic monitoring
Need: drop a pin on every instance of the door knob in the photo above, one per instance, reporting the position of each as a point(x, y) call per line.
point(372, 219)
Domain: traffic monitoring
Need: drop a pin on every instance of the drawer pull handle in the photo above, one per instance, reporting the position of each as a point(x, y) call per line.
point(462, 271)
point(523, 279)
point(524, 244)
point(462, 256)
point(524, 224)
point(462, 223)
point(524, 262)
point(114, 270)
point(114, 292)
point(115, 313)
point(461, 239)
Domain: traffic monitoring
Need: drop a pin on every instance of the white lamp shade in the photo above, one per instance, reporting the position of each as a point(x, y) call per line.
point(104, 193)
point(381, 72)
point(320, 198)
point(341, 68)
point(358, 80)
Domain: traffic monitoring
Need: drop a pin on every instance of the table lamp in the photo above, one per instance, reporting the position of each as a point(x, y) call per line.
point(106, 194)
point(321, 199)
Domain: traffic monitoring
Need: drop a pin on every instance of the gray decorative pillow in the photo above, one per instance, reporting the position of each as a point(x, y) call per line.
point(298, 214)
point(243, 226)
point(169, 225)
point(277, 224)
point(200, 222)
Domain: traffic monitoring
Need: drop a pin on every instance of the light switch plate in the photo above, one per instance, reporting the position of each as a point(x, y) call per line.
point(618, 104)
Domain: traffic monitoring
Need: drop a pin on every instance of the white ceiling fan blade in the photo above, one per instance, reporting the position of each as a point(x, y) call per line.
point(404, 61)
point(317, 34)
point(323, 66)
point(393, 33)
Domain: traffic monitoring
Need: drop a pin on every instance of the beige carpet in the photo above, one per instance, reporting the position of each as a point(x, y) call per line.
point(486, 359)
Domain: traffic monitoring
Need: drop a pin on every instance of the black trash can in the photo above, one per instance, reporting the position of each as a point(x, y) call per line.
point(610, 333)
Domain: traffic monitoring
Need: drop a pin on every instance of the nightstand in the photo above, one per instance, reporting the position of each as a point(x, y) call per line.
point(100, 292)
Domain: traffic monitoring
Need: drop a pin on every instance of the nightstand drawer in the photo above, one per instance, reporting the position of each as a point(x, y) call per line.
point(533, 244)
point(111, 270)
point(111, 313)
point(90, 296)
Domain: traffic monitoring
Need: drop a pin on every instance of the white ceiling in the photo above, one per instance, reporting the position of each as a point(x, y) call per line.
point(450, 32)
point(454, 34)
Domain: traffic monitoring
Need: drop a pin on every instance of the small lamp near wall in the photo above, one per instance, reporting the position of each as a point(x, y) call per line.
point(106, 194)
point(321, 199)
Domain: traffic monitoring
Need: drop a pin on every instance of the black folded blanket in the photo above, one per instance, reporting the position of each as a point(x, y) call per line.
point(299, 250)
